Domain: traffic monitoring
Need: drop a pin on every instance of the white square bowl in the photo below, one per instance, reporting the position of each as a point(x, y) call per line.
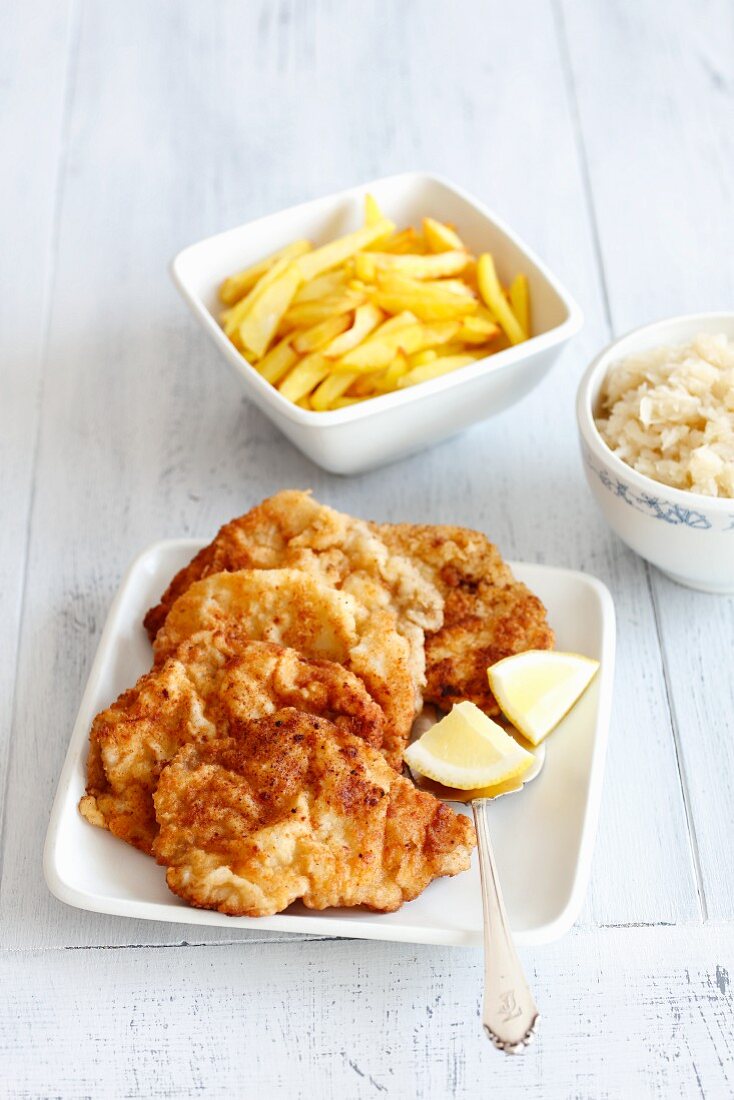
point(543, 879)
point(361, 437)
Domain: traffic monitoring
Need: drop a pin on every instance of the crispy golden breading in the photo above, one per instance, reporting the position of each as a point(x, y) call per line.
point(299, 610)
point(217, 677)
point(488, 614)
point(292, 807)
point(292, 530)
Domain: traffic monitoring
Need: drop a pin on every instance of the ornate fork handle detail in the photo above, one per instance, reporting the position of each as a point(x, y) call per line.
point(509, 1013)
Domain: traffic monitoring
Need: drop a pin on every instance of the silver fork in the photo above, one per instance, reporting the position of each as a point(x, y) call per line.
point(509, 1013)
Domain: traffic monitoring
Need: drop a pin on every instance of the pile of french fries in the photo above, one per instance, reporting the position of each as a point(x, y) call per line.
point(371, 312)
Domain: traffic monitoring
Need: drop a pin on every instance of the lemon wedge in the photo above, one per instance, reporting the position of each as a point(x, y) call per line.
point(466, 750)
point(536, 689)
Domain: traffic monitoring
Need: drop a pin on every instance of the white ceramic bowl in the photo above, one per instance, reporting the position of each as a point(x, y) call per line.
point(363, 436)
point(688, 535)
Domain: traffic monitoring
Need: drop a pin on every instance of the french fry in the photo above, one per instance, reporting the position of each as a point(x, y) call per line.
point(332, 388)
point(428, 300)
point(261, 323)
point(333, 282)
point(491, 291)
point(440, 237)
point(372, 213)
point(454, 347)
point(422, 357)
point(442, 365)
point(400, 320)
point(484, 313)
point(455, 286)
point(235, 338)
point(478, 330)
point(379, 349)
point(231, 319)
point(394, 324)
point(399, 367)
point(366, 318)
point(336, 252)
point(314, 338)
point(407, 241)
point(365, 267)
point(520, 301)
point(368, 264)
point(278, 361)
point(469, 279)
point(236, 286)
point(365, 385)
point(482, 351)
point(304, 377)
point(306, 314)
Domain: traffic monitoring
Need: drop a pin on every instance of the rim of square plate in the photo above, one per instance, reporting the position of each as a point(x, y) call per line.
point(499, 361)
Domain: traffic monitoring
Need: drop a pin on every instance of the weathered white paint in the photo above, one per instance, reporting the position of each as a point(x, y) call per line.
point(629, 1013)
point(656, 99)
point(30, 187)
point(603, 134)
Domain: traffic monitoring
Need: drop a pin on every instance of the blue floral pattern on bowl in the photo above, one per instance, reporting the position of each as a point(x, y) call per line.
point(656, 507)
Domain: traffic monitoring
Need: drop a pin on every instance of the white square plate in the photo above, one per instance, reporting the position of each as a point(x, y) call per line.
point(543, 836)
point(357, 438)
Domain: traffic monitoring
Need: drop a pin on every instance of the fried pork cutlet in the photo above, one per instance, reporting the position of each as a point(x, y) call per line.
point(214, 679)
point(294, 807)
point(299, 610)
point(488, 614)
point(292, 530)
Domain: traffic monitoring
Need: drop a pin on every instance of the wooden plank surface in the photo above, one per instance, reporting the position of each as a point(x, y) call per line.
point(602, 134)
point(656, 104)
point(28, 207)
point(637, 1013)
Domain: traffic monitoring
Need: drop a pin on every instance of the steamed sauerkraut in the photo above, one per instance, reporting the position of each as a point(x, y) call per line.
point(669, 414)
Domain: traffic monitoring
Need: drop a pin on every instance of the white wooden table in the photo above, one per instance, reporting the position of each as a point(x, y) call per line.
point(605, 134)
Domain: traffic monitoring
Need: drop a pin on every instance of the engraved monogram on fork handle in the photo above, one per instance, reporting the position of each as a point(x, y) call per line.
point(509, 1013)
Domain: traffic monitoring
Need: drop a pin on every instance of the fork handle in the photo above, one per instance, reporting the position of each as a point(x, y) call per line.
point(509, 1013)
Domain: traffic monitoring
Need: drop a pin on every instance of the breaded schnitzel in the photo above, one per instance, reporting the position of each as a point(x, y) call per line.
point(301, 611)
point(455, 599)
point(293, 807)
point(488, 614)
point(214, 679)
point(292, 530)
